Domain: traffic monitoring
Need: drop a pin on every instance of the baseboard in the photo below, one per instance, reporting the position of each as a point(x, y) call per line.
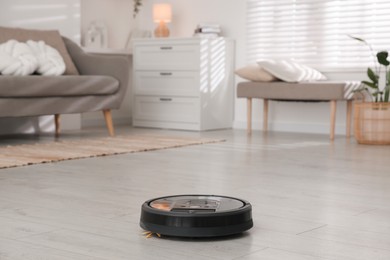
point(316, 128)
point(98, 122)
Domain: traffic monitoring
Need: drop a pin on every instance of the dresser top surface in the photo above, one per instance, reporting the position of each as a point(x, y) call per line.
point(178, 40)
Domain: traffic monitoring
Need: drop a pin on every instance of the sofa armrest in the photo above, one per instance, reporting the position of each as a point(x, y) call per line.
point(115, 66)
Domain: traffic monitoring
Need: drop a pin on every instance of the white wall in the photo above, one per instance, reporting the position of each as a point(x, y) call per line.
point(62, 15)
point(116, 14)
point(230, 14)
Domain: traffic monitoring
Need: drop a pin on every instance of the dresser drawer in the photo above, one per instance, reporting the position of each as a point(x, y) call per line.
point(167, 109)
point(167, 57)
point(178, 83)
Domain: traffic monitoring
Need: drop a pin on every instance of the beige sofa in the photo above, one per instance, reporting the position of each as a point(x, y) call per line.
point(99, 85)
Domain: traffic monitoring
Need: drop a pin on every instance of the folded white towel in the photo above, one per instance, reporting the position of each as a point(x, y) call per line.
point(50, 62)
point(16, 58)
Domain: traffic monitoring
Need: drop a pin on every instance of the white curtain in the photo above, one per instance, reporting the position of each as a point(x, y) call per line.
point(315, 32)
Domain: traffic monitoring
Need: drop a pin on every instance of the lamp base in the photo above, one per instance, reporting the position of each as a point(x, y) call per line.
point(161, 30)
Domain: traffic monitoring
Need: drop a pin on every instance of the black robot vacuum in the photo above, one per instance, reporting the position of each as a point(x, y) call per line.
point(196, 216)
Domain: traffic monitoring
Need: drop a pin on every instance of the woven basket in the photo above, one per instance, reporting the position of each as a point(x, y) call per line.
point(372, 123)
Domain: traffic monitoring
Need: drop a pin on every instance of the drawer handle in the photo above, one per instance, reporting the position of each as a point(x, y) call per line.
point(166, 48)
point(166, 73)
point(165, 99)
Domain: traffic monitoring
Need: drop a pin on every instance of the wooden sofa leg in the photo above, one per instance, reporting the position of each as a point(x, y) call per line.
point(249, 116)
point(57, 124)
point(349, 118)
point(332, 118)
point(108, 118)
point(265, 115)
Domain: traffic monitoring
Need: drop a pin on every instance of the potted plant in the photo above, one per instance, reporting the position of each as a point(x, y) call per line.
point(372, 119)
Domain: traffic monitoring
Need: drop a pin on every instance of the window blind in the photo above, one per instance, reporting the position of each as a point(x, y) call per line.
point(315, 32)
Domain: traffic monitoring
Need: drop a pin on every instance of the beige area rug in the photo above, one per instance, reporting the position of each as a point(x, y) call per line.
point(28, 154)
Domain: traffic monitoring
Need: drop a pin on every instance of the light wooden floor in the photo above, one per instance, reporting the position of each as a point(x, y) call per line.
point(311, 199)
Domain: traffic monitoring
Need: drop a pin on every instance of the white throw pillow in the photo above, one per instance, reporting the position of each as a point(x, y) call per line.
point(255, 73)
point(17, 59)
point(22, 59)
point(290, 71)
point(50, 61)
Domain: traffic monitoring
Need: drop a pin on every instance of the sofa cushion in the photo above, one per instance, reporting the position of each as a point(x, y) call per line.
point(326, 90)
point(56, 86)
point(52, 38)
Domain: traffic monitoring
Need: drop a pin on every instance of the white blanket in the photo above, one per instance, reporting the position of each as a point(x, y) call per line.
point(21, 59)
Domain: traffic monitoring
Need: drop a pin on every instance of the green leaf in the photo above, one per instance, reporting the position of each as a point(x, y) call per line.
point(360, 89)
point(371, 74)
point(382, 58)
point(370, 84)
point(356, 38)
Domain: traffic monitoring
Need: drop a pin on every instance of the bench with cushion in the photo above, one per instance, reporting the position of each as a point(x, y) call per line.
point(304, 91)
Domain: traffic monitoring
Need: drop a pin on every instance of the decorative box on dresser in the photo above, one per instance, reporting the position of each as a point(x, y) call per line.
point(183, 83)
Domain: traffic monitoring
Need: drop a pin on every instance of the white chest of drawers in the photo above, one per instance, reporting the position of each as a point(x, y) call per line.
point(183, 83)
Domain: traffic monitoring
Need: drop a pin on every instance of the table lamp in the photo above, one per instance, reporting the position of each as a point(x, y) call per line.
point(162, 14)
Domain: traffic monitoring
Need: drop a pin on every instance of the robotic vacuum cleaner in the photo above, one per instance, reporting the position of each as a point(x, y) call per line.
point(196, 216)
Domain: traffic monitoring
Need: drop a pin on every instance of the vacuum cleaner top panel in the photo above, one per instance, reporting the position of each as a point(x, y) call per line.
point(193, 204)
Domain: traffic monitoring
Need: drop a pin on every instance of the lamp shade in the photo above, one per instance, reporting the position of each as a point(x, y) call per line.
point(162, 12)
